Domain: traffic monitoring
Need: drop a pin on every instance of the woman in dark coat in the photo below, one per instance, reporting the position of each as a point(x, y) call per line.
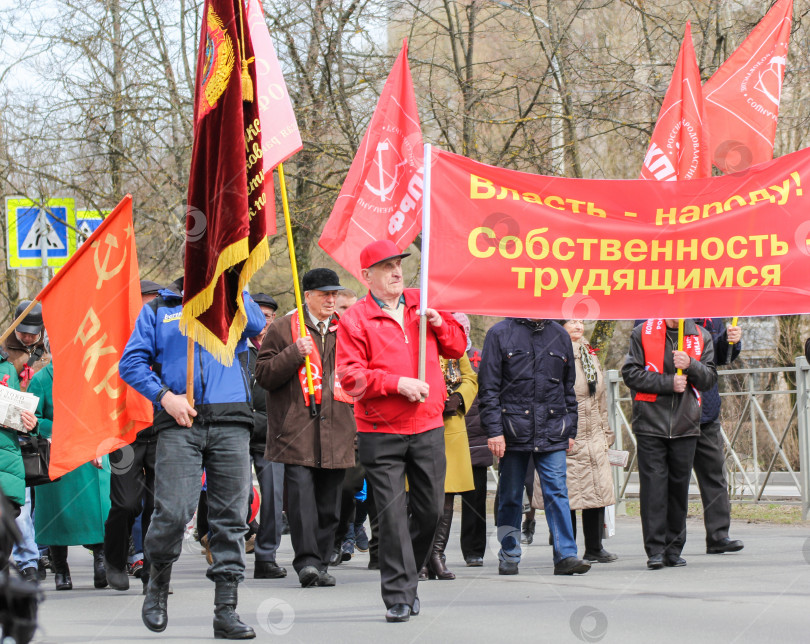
point(72, 510)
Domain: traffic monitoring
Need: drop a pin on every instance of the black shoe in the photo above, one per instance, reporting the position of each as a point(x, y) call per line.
point(336, 557)
point(99, 571)
point(63, 581)
point(118, 579)
point(474, 562)
point(227, 625)
point(373, 564)
point(723, 546)
point(602, 556)
point(416, 607)
point(30, 574)
point(572, 566)
point(325, 579)
point(398, 613)
point(674, 561)
point(309, 576)
point(42, 568)
point(155, 605)
point(655, 562)
point(527, 532)
point(268, 570)
point(508, 568)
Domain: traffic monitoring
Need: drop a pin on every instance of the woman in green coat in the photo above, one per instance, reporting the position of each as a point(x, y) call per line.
point(72, 510)
point(12, 473)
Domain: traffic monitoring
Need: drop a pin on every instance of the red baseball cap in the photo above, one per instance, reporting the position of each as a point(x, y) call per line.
point(379, 251)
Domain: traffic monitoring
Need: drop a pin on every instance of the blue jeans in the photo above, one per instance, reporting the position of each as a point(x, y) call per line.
point(26, 554)
point(181, 455)
point(551, 468)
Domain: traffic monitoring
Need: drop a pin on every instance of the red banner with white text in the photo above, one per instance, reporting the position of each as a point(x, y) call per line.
point(509, 243)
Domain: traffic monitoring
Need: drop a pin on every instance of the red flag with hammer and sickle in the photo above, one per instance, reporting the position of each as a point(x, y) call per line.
point(89, 310)
point(381, 197)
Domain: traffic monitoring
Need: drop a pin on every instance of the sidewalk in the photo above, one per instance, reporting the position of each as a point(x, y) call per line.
point(760, 594)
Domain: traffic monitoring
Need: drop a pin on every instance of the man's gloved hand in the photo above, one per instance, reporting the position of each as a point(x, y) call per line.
point(452, 404)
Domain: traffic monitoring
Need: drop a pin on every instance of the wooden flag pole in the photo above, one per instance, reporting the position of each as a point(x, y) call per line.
point(190, 371)
point(17, 322)
point(680, 341)
point(299, 305)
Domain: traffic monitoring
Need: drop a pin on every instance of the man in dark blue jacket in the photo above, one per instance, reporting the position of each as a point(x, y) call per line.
point(710, 455)
point(214, 435)
point(529, 410)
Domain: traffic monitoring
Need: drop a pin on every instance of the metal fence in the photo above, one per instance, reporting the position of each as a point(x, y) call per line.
point(761, 474)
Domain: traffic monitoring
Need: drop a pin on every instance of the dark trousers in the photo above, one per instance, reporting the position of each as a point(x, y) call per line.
point(271, 487)
point(405, 541)
point(313, 494)
point(132, 491)
point(352, 484)
point(664, 469)
point(474, 515)
point(593, 522)
point(711, 475)
point(181, 455)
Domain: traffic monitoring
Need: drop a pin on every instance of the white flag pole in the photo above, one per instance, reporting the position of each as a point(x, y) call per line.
point(423, 276)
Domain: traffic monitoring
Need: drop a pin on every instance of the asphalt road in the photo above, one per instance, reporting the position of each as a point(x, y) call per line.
point(760, 594)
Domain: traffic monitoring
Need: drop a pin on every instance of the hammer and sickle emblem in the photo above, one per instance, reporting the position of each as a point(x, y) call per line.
point(101, 268)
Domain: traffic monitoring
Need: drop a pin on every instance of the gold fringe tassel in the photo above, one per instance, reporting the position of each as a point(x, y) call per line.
point(247, 83)
point(191, 326)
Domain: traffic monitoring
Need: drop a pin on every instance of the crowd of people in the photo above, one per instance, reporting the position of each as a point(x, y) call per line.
point(368, 437)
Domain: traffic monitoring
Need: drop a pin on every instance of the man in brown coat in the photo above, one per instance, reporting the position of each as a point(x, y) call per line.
point(314, 439)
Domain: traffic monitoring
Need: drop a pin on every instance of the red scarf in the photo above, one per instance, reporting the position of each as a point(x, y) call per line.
point(317, 369)
point(653, 341)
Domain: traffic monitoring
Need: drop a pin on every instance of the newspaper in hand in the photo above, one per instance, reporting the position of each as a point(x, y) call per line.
point(12, 402)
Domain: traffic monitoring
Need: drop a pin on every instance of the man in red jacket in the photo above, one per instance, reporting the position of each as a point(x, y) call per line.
point(399, 418)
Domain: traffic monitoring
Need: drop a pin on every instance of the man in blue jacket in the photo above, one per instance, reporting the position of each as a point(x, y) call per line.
point(529, 411)
point(213, 435)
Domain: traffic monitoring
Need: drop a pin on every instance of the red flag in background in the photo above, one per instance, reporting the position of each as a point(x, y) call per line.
point(678, 147)
point(89, 309)
point(280, 135)
point(226, 188)
point(742, 97)
point(381, 197)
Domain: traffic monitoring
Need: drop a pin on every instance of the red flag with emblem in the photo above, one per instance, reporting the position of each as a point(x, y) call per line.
point(678, 147)
point(226, 225)
point(381, 197)
point(742, 97)
point(94, 411)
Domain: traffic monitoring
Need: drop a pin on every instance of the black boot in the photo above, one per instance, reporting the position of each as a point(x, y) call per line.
point(99, 570)
point(60, 567)
point(154, 609)
point(436, 566)
point(227, 625)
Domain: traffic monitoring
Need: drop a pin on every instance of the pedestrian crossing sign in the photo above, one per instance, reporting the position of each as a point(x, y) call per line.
point(32, 226)
point(86, 223)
